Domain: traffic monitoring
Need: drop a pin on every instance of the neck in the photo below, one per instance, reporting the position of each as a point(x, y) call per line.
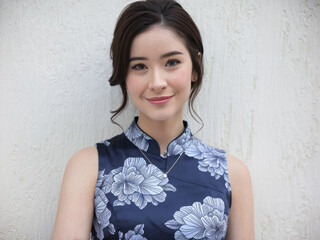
point(162, 131)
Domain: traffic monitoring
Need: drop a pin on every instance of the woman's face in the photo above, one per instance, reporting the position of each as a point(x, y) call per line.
point(160, 74)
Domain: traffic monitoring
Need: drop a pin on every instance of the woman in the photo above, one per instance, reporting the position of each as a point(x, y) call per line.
point(155, 180)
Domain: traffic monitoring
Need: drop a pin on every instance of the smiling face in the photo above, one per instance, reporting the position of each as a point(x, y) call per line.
point(159, 75)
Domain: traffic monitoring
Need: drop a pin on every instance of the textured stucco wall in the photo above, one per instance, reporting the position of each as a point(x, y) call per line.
point(261, 102)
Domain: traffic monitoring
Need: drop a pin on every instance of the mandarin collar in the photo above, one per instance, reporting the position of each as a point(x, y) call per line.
point(146, 143)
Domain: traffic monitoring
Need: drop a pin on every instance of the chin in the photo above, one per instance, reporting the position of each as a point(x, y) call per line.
point(162, 116)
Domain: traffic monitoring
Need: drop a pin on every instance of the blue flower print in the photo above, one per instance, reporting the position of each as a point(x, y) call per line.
point(102, 213)
point(180, 144)
point(139, 183)
point(133, 235)
point(211, 160)
point(205, 221)
point(137, 137)
point(227, 184)
point(135, 182)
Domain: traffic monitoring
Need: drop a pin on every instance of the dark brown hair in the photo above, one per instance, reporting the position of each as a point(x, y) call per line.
point(136, 18)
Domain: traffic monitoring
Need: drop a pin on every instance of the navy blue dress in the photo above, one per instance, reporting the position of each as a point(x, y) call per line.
point(135, 200)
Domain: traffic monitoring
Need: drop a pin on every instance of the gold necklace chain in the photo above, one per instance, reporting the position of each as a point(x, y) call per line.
point(165, 174)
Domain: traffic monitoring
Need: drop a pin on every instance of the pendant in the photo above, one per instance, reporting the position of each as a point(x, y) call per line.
point(165, 175)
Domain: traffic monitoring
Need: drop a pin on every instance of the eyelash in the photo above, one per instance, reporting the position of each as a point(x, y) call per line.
point(141, 66)
point(176, 61)
point(138, 67)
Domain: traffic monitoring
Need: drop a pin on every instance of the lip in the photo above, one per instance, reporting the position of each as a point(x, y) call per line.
point(159, 100)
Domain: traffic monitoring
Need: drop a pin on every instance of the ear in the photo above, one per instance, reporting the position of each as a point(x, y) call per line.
point(194, 76)
point(199, 56)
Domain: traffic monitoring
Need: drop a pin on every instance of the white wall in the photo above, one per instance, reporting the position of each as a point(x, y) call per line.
point(260, 101)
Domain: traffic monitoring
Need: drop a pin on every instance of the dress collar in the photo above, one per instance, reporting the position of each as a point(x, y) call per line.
point(146, 143)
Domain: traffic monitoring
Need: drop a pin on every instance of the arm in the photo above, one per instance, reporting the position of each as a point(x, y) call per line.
point(240, 224)
point(76, 203)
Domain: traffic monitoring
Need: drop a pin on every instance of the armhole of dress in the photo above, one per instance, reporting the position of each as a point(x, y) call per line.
point(93, 232)
point(98, 151)
point(230, 200)
point(98, 147)
point(229, 193)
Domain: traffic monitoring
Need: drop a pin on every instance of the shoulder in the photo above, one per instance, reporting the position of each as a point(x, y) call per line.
point(238, 172)
point(113, 142)
point(236, 167)
point(85, 157)
point(204, 147)
point(83, 165)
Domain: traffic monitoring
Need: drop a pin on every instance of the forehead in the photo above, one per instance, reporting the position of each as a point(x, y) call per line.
point(157, 39)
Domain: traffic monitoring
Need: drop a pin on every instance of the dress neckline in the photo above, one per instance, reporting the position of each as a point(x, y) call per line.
point(148, 144)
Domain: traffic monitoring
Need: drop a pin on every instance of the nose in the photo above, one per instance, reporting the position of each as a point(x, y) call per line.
point(157, 81)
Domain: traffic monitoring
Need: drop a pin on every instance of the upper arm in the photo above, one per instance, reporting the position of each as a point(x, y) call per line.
point(240, 224)
point(76, 202)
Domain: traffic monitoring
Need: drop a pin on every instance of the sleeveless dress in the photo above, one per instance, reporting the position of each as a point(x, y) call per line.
point(135, 200)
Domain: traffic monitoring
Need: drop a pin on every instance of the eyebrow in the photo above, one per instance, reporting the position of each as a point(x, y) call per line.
point(169, 54)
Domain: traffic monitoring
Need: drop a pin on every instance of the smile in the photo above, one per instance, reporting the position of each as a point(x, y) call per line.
point(159, 100)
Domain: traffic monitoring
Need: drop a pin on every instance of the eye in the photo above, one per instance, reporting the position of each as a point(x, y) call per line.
point(139, 67)
point(172, 62)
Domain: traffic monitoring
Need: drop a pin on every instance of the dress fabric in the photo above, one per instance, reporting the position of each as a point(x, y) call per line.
point(134, 200)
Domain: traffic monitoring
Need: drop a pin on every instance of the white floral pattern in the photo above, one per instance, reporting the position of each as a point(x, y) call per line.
point(136, 234)
point(180, 144)
point(227, 183)
point(137, 137)
point(137, 182)
point(102, 213)
point(205, 221)
point(211, 160)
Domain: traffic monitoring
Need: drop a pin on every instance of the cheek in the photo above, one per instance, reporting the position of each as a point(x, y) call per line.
point(182, 80)
point(133, 85)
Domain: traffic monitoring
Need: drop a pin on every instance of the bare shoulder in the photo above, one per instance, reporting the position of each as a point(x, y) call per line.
point(83, 166)
point(240, 179)
point(237, 169)
point(84, 160)
point(82, 170)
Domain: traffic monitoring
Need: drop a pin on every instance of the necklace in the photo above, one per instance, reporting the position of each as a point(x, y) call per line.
point(165, 174)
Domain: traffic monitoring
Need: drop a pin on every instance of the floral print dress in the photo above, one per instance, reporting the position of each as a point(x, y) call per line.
point(134, 200)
